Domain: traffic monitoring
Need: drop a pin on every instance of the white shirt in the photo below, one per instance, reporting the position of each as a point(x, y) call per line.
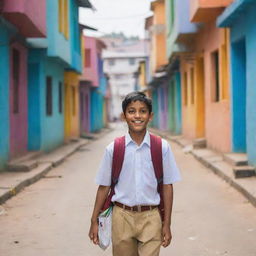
point(137, 184)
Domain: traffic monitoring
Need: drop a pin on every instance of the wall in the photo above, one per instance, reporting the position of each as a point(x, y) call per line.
point(42, 136)
point(244, 28)
point(4, 94)
point(217, 113)
point(19, 121)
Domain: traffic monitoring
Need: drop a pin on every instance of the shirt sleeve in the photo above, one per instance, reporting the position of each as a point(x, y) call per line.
point(104, 173)
point(170, 169)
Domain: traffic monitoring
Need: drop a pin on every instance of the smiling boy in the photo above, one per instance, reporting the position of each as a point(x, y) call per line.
point(136, 231)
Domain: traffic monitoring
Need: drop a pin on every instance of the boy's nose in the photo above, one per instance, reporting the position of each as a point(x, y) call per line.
point(137, 114)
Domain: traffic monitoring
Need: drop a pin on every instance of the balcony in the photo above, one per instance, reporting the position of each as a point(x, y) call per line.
point(206, 10)
point(29, 16)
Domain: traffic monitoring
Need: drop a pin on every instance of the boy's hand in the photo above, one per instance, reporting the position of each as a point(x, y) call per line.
point(166, 235)
point(93, 233)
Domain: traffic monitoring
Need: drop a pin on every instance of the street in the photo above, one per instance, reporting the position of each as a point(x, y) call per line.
point(52, 216)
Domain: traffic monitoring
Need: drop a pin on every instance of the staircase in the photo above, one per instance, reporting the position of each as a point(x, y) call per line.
point(24, 163)
point(239, 161)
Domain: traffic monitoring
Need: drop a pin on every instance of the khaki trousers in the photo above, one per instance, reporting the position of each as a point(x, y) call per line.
point(136, 233)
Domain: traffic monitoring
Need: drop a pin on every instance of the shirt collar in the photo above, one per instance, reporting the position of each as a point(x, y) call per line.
point(146, 139)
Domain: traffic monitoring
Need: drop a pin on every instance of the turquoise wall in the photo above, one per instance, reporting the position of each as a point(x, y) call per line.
point(45, 132)
point(241, 20)
point(76, 59)
point(178, 104)
point(66, 50)
point(5, 34)
point(96, 118)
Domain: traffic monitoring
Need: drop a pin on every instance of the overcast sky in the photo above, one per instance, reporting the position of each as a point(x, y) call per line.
point(127, 16)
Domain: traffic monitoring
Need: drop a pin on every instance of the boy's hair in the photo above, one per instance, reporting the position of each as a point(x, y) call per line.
point(134, 96)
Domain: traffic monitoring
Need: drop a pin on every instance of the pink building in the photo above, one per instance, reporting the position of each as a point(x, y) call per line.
point(29, 16)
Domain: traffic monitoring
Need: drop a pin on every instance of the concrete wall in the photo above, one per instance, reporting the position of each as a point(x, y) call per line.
point(5, 34)
point(217, 113)
point(72, 115)
point(244, 29)
point(181, 24)
point(19, 120)
point(158, 35)
point(85, 108)
point(45, 132)
point(91, 73)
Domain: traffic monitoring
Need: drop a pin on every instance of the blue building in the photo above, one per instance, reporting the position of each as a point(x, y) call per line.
point(54, 67)
point(240, 18)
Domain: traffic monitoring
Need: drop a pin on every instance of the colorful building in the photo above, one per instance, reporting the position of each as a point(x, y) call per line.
point(240, 18)
point(205, 76)
point(17, 22)
point(157, 29)
point(93, 87)
point(179, 36)
point(54, 64)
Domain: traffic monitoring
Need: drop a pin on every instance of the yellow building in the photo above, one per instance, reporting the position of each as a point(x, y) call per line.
point(71, 81)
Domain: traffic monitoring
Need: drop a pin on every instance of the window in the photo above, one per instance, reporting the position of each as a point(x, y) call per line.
point(131, 61)
point(48, 96)
point(185, 89)
point(215, 76)
point(192, 84)
point(60, 97)
point(16, 79)
point(63, 18)
point(73, 100)
point(111, 62)
point(87, 55)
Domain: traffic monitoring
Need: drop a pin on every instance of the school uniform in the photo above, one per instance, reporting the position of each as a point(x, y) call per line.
point(137, 229)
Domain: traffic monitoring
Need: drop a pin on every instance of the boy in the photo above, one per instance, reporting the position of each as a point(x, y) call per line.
point(136, 232)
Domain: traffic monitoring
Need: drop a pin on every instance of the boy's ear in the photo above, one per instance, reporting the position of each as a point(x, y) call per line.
point(151, 116)
point(122, 116)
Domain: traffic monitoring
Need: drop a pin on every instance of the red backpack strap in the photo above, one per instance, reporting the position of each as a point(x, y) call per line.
point(118, 158)
point(117, 163)
point(157, 159)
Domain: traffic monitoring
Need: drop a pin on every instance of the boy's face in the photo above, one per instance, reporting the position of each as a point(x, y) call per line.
point(137, 116)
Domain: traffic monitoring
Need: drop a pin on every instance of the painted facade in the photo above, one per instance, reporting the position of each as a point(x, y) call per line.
point(61, 51)
point(6, 32)
point(18, 100)
point(28, 16)
point(240, 17)
point(158, 35)
point(93, 87)
point(17, 22)
point(205, 81)
point(156, 28)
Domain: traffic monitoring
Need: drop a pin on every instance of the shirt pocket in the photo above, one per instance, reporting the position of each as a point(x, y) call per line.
point(149, 174)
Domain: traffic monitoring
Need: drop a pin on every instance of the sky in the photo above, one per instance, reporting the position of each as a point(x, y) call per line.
point(127, 16)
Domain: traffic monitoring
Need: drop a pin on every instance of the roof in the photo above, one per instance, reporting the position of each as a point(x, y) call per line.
point(231, 13)
point(82, 26)
point(85, 4)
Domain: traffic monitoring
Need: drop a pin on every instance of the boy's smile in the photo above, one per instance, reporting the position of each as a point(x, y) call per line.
point(137, 116)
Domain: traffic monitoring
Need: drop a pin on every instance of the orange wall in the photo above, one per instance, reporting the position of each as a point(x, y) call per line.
point(159, 39)
point(217, 114)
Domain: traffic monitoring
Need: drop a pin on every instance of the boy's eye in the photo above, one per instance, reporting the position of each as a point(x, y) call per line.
point(130, 111)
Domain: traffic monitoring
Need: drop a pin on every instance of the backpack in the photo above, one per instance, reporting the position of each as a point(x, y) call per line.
point(117, 162)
